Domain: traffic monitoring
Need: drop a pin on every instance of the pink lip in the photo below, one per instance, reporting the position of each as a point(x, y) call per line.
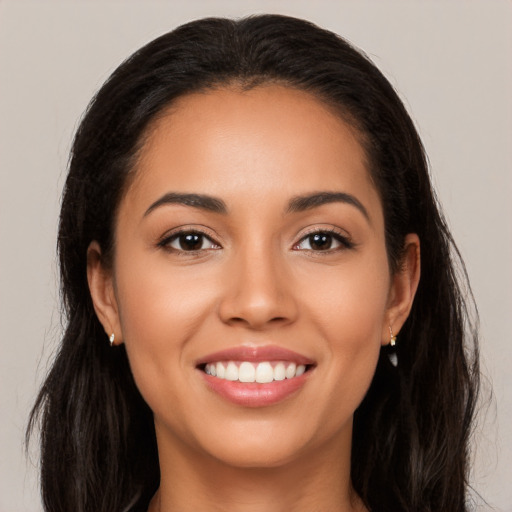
point(255, 394)
point(255, 355)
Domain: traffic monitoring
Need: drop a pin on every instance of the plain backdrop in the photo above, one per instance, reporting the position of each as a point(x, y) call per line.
point(451, 62)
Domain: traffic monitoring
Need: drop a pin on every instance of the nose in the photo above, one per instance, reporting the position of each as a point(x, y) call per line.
point(258, 292)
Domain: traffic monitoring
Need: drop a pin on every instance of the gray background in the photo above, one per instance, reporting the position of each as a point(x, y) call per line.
point(451, 62)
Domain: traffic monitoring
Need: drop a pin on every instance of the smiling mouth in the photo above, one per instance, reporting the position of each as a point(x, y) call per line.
point(262, 372)
point(256, 376)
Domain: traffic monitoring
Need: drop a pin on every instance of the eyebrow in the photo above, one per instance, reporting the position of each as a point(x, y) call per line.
point(204, 202)
point(309, 201)
point(296, 204)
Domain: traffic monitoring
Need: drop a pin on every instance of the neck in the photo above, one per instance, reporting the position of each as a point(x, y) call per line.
point(318, 480)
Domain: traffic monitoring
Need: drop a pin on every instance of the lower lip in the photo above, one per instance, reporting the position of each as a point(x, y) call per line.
point(253, 394)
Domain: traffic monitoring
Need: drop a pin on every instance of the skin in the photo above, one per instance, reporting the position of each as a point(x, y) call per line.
point(257, 282)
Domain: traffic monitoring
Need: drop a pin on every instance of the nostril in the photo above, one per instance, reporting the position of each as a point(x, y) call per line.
point(258, 293)
point(253, 321)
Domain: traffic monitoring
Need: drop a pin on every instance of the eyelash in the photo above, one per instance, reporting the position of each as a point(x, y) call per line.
point(344, 241)
point(166, 242)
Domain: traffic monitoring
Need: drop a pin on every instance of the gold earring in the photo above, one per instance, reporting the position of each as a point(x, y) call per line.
point(111, 339)
point(392, 338)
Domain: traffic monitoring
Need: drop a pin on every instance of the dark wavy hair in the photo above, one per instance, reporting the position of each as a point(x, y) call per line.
point(411, 432)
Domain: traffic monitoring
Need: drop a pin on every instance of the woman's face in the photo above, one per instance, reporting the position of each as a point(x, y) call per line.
point(252, 240)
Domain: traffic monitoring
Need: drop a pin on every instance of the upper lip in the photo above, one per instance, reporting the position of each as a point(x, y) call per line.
point(255, 355)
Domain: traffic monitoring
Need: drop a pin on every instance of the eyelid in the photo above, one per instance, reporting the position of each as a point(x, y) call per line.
point(338, 234)
point(174, 233)
point(341, 236)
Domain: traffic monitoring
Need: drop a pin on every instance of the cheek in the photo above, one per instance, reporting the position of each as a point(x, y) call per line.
point(350, 303)
point(160, 311)
point(349, 310)
point(157, 300)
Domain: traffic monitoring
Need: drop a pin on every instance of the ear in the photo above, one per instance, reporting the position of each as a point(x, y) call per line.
point(101, 288)
point(404, 284)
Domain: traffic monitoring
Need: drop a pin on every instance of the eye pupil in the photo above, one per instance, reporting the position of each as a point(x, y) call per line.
point(320, 241)
point(191, 241)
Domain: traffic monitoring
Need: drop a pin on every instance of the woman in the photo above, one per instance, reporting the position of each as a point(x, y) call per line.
point(240, 242)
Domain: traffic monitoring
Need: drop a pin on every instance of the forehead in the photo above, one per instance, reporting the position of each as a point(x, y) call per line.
point(268, 141)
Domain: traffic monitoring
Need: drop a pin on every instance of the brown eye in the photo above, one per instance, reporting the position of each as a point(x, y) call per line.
point(323, 241)
point(190, 241)
point(320, 241)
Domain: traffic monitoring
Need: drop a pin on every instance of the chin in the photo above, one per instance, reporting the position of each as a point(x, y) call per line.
point(270, 443)
point(256, 455)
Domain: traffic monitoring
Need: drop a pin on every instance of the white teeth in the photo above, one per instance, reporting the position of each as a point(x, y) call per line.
point(231, 371)
point(221, 370)
point(279, 372)
point(290, 371)
point(261, 373)
point(264, 373)
point(246, 372)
